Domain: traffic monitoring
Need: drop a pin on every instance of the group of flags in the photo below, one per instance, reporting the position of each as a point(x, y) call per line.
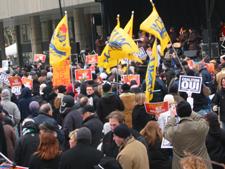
point(120, 46)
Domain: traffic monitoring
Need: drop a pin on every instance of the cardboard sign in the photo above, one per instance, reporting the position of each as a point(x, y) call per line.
point(5, 65)
point(27, 82)
point(190, 84)
point(83, 74)
point(16, 84)
point(91, 59)
point(61, 73)
point(156, 108)
point(39, 57)
point(127, 78)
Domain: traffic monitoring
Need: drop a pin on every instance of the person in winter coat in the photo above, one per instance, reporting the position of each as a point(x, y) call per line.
point(24, 102)
point(108, 103)
point(187, 135)
point(133, 154)
point(128, 100)
point(92, 97)
point(48, 153)
point(215, 140)
point(82, 155)
point(3, 144)
point(158, 158)
point(9, 106)
point(218, 102)
point(91, 121)
point(27, 143)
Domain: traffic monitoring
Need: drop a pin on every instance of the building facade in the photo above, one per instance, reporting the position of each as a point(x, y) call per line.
point(30, 24)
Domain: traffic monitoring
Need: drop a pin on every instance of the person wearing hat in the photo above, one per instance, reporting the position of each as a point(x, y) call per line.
point(82, 155)
point(91, 121)
point(108, 103)
point(133, 154)
point(187, 135)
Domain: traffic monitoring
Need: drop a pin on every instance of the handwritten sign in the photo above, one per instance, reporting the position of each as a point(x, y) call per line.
point(39, 57)
point(61, 73)
point(191, 84)
point(83, 74)
point(16, 84)
point(91, 59)
point(128, 78)
point(156, 108)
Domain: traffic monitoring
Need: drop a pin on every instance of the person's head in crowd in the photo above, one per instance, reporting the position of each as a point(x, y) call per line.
point(140, 98)
point(193, 162)
point(48, 147)
point(125, 88)
point(34, 107)
point(43, 73)
point(42, 86)
point(62, 89)
point(84, 135)
point(171, 101)
point(106, 87)
point(5, 94)
point(132, 83)
point(90, 90)
point(115, 118)
point(46, 108)
point(223, 83)
point(49, 75)
point(83, 101)
point(152, 132)
point(73, 138)
point(213, 121)
point(120, 134)
point(29, 127)
point(183, 109)
point(88, 110)
point(222, 59)
point(106, 128)
point(67, 102)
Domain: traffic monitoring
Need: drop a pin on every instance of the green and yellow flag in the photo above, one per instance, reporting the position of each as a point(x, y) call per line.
point(59, 48)
point(154, 25)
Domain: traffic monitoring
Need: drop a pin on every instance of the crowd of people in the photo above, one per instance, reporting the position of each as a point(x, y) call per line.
point(103, 123)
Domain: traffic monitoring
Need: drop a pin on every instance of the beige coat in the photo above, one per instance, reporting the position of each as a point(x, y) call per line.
point(133, 155)
point(187, 135)
point(128, 100)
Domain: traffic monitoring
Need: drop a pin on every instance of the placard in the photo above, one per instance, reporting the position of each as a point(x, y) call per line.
point(27, 82)
point(127, 78)
point(61, 73)
point(191, 84)
point(4, 79)
point(91, 59)
point(83, 74)
point(16, 84)
point(5, 65)
point(39, 57)
point(156, 108)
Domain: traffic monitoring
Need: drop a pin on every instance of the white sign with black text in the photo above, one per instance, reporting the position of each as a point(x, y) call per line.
point(190, 84)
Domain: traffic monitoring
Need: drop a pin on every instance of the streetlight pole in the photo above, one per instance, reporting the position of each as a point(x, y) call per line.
point(60, 8)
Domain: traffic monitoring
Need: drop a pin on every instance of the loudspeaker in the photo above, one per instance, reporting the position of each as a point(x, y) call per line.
point(214, 49)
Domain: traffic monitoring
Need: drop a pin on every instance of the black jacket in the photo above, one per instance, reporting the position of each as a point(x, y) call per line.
point(107, 104)
point(219, 100)
point(38, 163)
point(96, 126)
point(25, 147)
point(82, 156)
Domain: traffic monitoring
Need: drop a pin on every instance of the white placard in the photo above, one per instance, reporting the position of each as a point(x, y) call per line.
point(5, 65)
point(190, 84)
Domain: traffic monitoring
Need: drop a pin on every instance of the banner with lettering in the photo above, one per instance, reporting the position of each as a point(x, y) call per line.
point(191, 84)
point(128, 78)
point(39, 57)
point(91, 59)
point(83, 74)
point(27, 82)
point(16, 84)
point(156, 108)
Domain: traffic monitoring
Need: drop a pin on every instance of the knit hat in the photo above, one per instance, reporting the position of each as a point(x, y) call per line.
point(122, 131)
point(84, 134)
point(169, 98)
point(67, 101)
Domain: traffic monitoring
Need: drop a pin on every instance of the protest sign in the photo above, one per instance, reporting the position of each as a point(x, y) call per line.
point(39, 57)
point(191, 84)
point(4, 79)
point(27, 82)
point(5, 65)
point(156, 108)
point(91, 59)
point(127, 78)
point(61, 73)
point(83, 74)
point(16, 84)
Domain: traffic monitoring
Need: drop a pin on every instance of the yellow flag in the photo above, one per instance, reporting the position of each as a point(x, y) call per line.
point(59, 48)
point(129, 26)
point(154, 25)
point(151, 73)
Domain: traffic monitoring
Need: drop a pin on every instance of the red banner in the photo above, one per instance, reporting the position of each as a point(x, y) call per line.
point(91, 59)
point(83, 74)
point(16, 84)
point(127, 78)
point(39, 57)
point(156, 108)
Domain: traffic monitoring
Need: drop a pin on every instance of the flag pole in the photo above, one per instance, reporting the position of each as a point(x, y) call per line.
point(71, 65)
